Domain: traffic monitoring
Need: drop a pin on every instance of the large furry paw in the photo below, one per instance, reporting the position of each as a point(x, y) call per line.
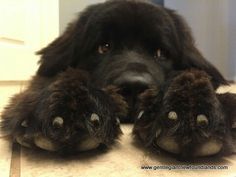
point(70, 116)
point(184, 118)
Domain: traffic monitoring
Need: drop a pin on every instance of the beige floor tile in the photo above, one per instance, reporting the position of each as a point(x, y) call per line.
point(123, 160)
point(5, 157)
point(231, 88)
point(118, 161)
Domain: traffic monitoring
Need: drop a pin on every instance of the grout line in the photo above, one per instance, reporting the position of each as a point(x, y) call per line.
point(15, 168)
point(9, 83)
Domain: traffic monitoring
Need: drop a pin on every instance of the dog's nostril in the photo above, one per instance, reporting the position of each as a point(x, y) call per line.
point(133, 88)
point(133, 83)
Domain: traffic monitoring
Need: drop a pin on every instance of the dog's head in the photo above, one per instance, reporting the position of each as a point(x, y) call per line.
point(131, 44)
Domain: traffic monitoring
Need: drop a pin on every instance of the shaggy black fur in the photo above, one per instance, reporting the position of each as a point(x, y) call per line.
point(132, 45)
point(189, 94)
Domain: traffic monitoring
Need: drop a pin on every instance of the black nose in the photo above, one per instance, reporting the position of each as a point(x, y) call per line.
point(134, 83)
point(133, 88)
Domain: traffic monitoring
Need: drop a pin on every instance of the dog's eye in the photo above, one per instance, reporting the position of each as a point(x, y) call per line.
point(104, 48)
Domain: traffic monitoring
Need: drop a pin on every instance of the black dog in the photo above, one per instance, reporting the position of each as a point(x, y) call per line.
point(132, 45)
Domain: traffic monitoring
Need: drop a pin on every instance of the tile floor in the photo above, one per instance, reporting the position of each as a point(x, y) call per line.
point(125, 159)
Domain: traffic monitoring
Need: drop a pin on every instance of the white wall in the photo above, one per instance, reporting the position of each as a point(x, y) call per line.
point(25, 27)
point(69, 10)
point(214, 27)
point(232, 38)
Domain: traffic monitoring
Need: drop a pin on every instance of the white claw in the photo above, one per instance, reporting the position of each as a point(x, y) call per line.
point(158, 53)
point(58, 122)
point(94, 117)
point(117, 121)
point(140, 114)
point(172, 115)
point(202, 119)
point(24, 123)
point(44, 143)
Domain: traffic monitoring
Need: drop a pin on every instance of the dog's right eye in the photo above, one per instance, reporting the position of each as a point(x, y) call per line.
point(104, 48)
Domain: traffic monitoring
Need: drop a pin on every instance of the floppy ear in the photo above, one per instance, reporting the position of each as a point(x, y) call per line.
point(190, 56)
point(64, 51)
point(59, 54)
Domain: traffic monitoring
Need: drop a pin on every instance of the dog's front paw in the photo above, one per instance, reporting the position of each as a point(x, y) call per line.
point(72, 116)
point(185, 118)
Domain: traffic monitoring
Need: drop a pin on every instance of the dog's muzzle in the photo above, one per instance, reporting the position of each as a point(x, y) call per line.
point(132, 83)
point(134, 80)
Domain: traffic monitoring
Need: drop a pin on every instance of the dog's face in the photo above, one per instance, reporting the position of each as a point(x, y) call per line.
point(128, 54)
point(130, 44)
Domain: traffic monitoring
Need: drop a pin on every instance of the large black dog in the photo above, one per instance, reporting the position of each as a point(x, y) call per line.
point(115, 61)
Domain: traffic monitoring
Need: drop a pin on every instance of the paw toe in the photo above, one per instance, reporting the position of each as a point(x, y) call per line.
point(24, 124)
point(24, 140)
point(44, 143)
point(88, 144)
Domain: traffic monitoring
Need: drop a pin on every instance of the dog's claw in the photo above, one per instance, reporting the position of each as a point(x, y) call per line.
point(117, 121)
point(58, 122)
point(202, 120)
point(24, 124)
point(172, 115)
point(94, 118)
point(158, 53)
point(140, 114)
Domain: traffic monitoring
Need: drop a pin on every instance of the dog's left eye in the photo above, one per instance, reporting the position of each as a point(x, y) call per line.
point(104, 48)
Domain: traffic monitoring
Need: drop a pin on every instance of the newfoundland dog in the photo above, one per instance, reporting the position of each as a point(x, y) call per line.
point(124, 61)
